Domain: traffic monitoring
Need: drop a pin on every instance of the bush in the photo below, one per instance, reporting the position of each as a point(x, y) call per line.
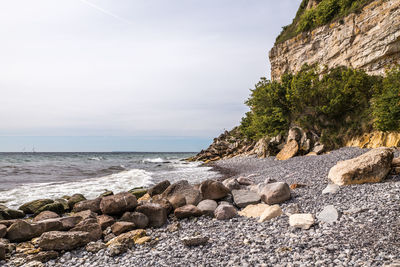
point(386, 104)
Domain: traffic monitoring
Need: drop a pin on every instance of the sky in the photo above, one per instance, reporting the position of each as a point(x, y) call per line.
point(130, 75)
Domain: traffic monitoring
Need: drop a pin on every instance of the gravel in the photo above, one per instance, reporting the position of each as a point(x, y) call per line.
point(366, 234)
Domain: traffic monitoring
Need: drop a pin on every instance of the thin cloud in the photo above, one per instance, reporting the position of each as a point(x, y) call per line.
point(104, 11)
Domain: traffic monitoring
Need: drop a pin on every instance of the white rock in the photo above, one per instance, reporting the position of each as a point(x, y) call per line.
point(331, 189)
point(301, 220)
point(270, 212)
point(328, 215)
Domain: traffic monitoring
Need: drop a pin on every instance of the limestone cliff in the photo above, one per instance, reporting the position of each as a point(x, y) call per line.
point(369, 40)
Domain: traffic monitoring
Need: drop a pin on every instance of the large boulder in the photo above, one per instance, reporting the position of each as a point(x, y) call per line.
point(371, 167)
point(76, 198)
point(182, 189)
point(208, 207)
point(2, 252)
point(231, 184)
point(243, 198)
point(225, 212)
point(118, 204)
point(56, 207)
point(177, 201)
point(290, 150)
point(86, 214)
point(105, 221)
point(139, 219)
point(158, 199)
point(33, 206)
point(21, 231)
point(155, 212)
point(44, 215)
point(90, 226)
point(93, 205)
point(63, 240)
point(68, 222)
point(50, 225)
point(274, 193)
point(159, 188)
point(10, 214)
point(3, 230)
point(187, 211)
point(122, 227)
point(211, 189)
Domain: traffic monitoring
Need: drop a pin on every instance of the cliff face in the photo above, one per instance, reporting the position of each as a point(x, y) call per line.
point(369, 41)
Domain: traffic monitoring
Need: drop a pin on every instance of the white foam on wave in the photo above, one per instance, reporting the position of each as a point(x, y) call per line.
point(90, 188)
point(154, 160)
point(96, 158)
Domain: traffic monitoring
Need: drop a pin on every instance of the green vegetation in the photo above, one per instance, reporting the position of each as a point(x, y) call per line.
point(342, 103)
point(325, 12)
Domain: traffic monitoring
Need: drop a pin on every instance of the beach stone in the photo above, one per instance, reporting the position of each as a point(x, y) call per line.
point(371, 167)
point(138, 192)
point(139, 219)
point(292, 209)
point(177, 201)
point(158, 199)
point(3, 230)
point(93, 205)
point(76, 198)
point(33, 206)
point(118, 204)
point(211, 189)
point(127, 239)
point(116, 249)
point(34, 264)
point(2, 252)
point(90, 226)
point(253, 211)
point(319, 149)
point(274, 193)
point(105, 221)
point(21, 231)
point(122, 227)
point(63, 240)
point(207, 207)
point(86, 214)
point(69, 222)
point(44, 215)
point(143, 240)
point(231, 184)
point(225, 212)
point(270, 213)
point(155, 212)
point(331, 189)
point(159, 188)
point(243, 198)
point(195, 241)
point(94, 247)
point(50, 225)
point(245, 181)
point(187, 211)
point(56, 207)
point(328, 215)
point(43, 256)
point(290, 150)
point(301, 220)
point(10, 214)
point(182, 189)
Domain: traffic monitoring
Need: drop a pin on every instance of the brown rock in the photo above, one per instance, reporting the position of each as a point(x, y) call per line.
point(177, 201)
point(118, 204)
point(155, 212)
point(90, 226)
point(187, 211)
point(183, 188)
point(371, 167)
point(95, 246)
point(69, 222)
point(143, 240)
point(122, 227)
point(86, 214)
point(275, 193)
point(127, 239)
point(105, 221)
point(44, 215)
point(43, 256)
point(225, 212)
point(215, 190)
point(159, 188)
point(21, 231)
point(76, 198)
point(3, 230)
point(50, 225)
point(93, 205)
point(63, 240)
point(8, 223)
point(396, 162)
point(2, 252)
point(164, 203)
point(195, 241)
point(139, 219)
point(208, 207)
point(290, 150)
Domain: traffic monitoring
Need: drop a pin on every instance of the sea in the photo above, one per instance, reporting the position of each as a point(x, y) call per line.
point(28, 176)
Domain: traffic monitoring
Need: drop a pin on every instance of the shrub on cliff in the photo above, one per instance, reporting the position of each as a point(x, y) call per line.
point(386, 103)
point(334, 106)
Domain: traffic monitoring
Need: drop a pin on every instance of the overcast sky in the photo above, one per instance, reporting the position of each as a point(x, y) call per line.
point(130, 70)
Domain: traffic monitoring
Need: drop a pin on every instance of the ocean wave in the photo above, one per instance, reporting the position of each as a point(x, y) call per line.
point(156, 160)
point(90, 188)
point(96, 158)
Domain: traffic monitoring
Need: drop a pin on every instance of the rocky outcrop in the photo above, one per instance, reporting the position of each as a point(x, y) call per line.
point(369, 41)
point(375, 140)
point(370, 167)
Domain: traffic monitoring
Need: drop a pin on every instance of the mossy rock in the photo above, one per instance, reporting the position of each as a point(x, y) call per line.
point(64, 202)
point(33, 206)
point(56, 207)
point(107, 193)
point(10, 214)
point(138, 192)
point(76, 198)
